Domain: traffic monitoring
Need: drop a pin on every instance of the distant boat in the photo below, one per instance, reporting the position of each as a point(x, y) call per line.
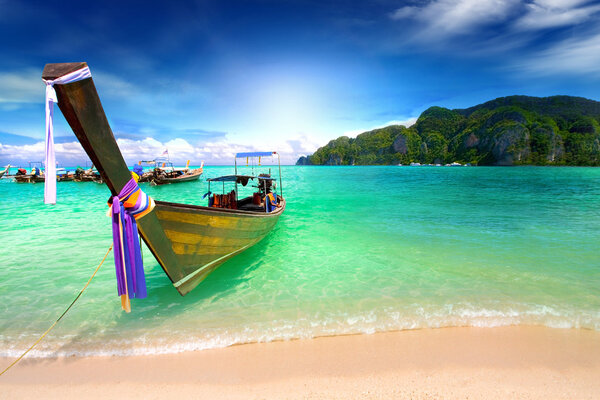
point(169, 174)
point(415, 164)
point(36, 174)
point(87, 175)
point(188, 241)
point(144, 176)
point(62, 175)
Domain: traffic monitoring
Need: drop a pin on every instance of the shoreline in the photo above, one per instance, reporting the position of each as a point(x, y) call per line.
point(514, 362)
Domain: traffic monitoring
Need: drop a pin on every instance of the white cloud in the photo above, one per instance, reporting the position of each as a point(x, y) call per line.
point(220, 152)
point(111, 85)
point(405, 12)
point(543, 14)
point(289, 149)
point(300, 146)
point(22, 87)
point(573, 55)
point(66, 153)
point(26, 86)
point(443, 18)
point(438, 23)
point(135, 150)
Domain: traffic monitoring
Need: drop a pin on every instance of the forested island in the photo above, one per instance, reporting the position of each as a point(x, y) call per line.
point(514, 130)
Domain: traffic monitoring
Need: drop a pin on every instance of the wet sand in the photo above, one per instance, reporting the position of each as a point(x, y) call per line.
point(449, 363)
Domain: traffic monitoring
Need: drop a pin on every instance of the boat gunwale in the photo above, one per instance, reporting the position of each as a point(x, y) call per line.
point(215, 210)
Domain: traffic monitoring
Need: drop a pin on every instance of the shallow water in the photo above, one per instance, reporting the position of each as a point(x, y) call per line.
point(358, 249)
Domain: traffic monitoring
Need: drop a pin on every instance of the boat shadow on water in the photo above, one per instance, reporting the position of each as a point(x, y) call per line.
point(221, 283)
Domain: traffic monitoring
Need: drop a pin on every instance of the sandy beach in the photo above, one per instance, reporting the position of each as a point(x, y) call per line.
point(448, 363)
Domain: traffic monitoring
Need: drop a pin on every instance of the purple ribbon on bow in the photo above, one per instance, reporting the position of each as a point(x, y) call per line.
point(129, 267)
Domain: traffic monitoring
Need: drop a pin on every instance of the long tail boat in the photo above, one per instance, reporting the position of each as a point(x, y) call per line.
point(23, 177)
point(166, 175)
point(188, 241)
point(87, 175)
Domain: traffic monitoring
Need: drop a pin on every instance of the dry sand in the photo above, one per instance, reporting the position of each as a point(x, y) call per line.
point(449, 363)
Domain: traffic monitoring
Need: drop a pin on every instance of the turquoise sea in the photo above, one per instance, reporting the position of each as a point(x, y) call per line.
point(358, 250)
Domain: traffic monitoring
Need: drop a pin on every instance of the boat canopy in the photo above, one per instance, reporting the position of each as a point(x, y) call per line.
point(255, 154)
point(243, 179)
point(232, 178)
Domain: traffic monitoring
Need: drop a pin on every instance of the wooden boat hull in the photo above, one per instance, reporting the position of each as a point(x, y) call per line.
point(179, 179)
point(146, 177)
point(203, 238)
point(188, 241)
point(88, 178)
point(29, 179)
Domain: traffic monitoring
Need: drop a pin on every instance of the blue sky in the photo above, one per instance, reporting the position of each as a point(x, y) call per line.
point(208, 78)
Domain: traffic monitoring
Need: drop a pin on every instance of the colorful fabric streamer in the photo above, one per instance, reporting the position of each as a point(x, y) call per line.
point(271, 200)
point(130, 205)
point(50, 181)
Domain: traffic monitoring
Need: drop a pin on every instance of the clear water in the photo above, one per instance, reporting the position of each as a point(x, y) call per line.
point(359, 249)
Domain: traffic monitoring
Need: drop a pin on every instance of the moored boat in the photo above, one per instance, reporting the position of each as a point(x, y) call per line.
point(167, 173)
point(188, 241)
point(87, 175)
point(62, 175)
point(144, 175)
point(36, 174)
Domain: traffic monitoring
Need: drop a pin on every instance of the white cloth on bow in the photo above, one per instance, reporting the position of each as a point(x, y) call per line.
point(50, 179)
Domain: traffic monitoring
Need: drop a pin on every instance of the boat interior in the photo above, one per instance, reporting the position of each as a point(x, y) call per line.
point(264, 199)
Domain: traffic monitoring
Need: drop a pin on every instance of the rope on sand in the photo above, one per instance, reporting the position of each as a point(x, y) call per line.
point(62, 315)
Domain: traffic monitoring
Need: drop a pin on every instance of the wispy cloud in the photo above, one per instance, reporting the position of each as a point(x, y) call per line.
point(442, 19)
point(300, 146)
point(570, 56)
point(513, 29)
point(543, 14)
point(112, 85)
point(21, 87)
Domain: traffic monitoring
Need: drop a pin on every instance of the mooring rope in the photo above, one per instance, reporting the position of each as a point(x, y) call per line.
point(59, 318)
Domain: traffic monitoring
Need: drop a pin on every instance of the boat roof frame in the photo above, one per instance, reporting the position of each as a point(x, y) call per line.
point(230, 178)
point(261, 154)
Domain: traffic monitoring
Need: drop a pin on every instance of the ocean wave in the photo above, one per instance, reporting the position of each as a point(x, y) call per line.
point(189, 339)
